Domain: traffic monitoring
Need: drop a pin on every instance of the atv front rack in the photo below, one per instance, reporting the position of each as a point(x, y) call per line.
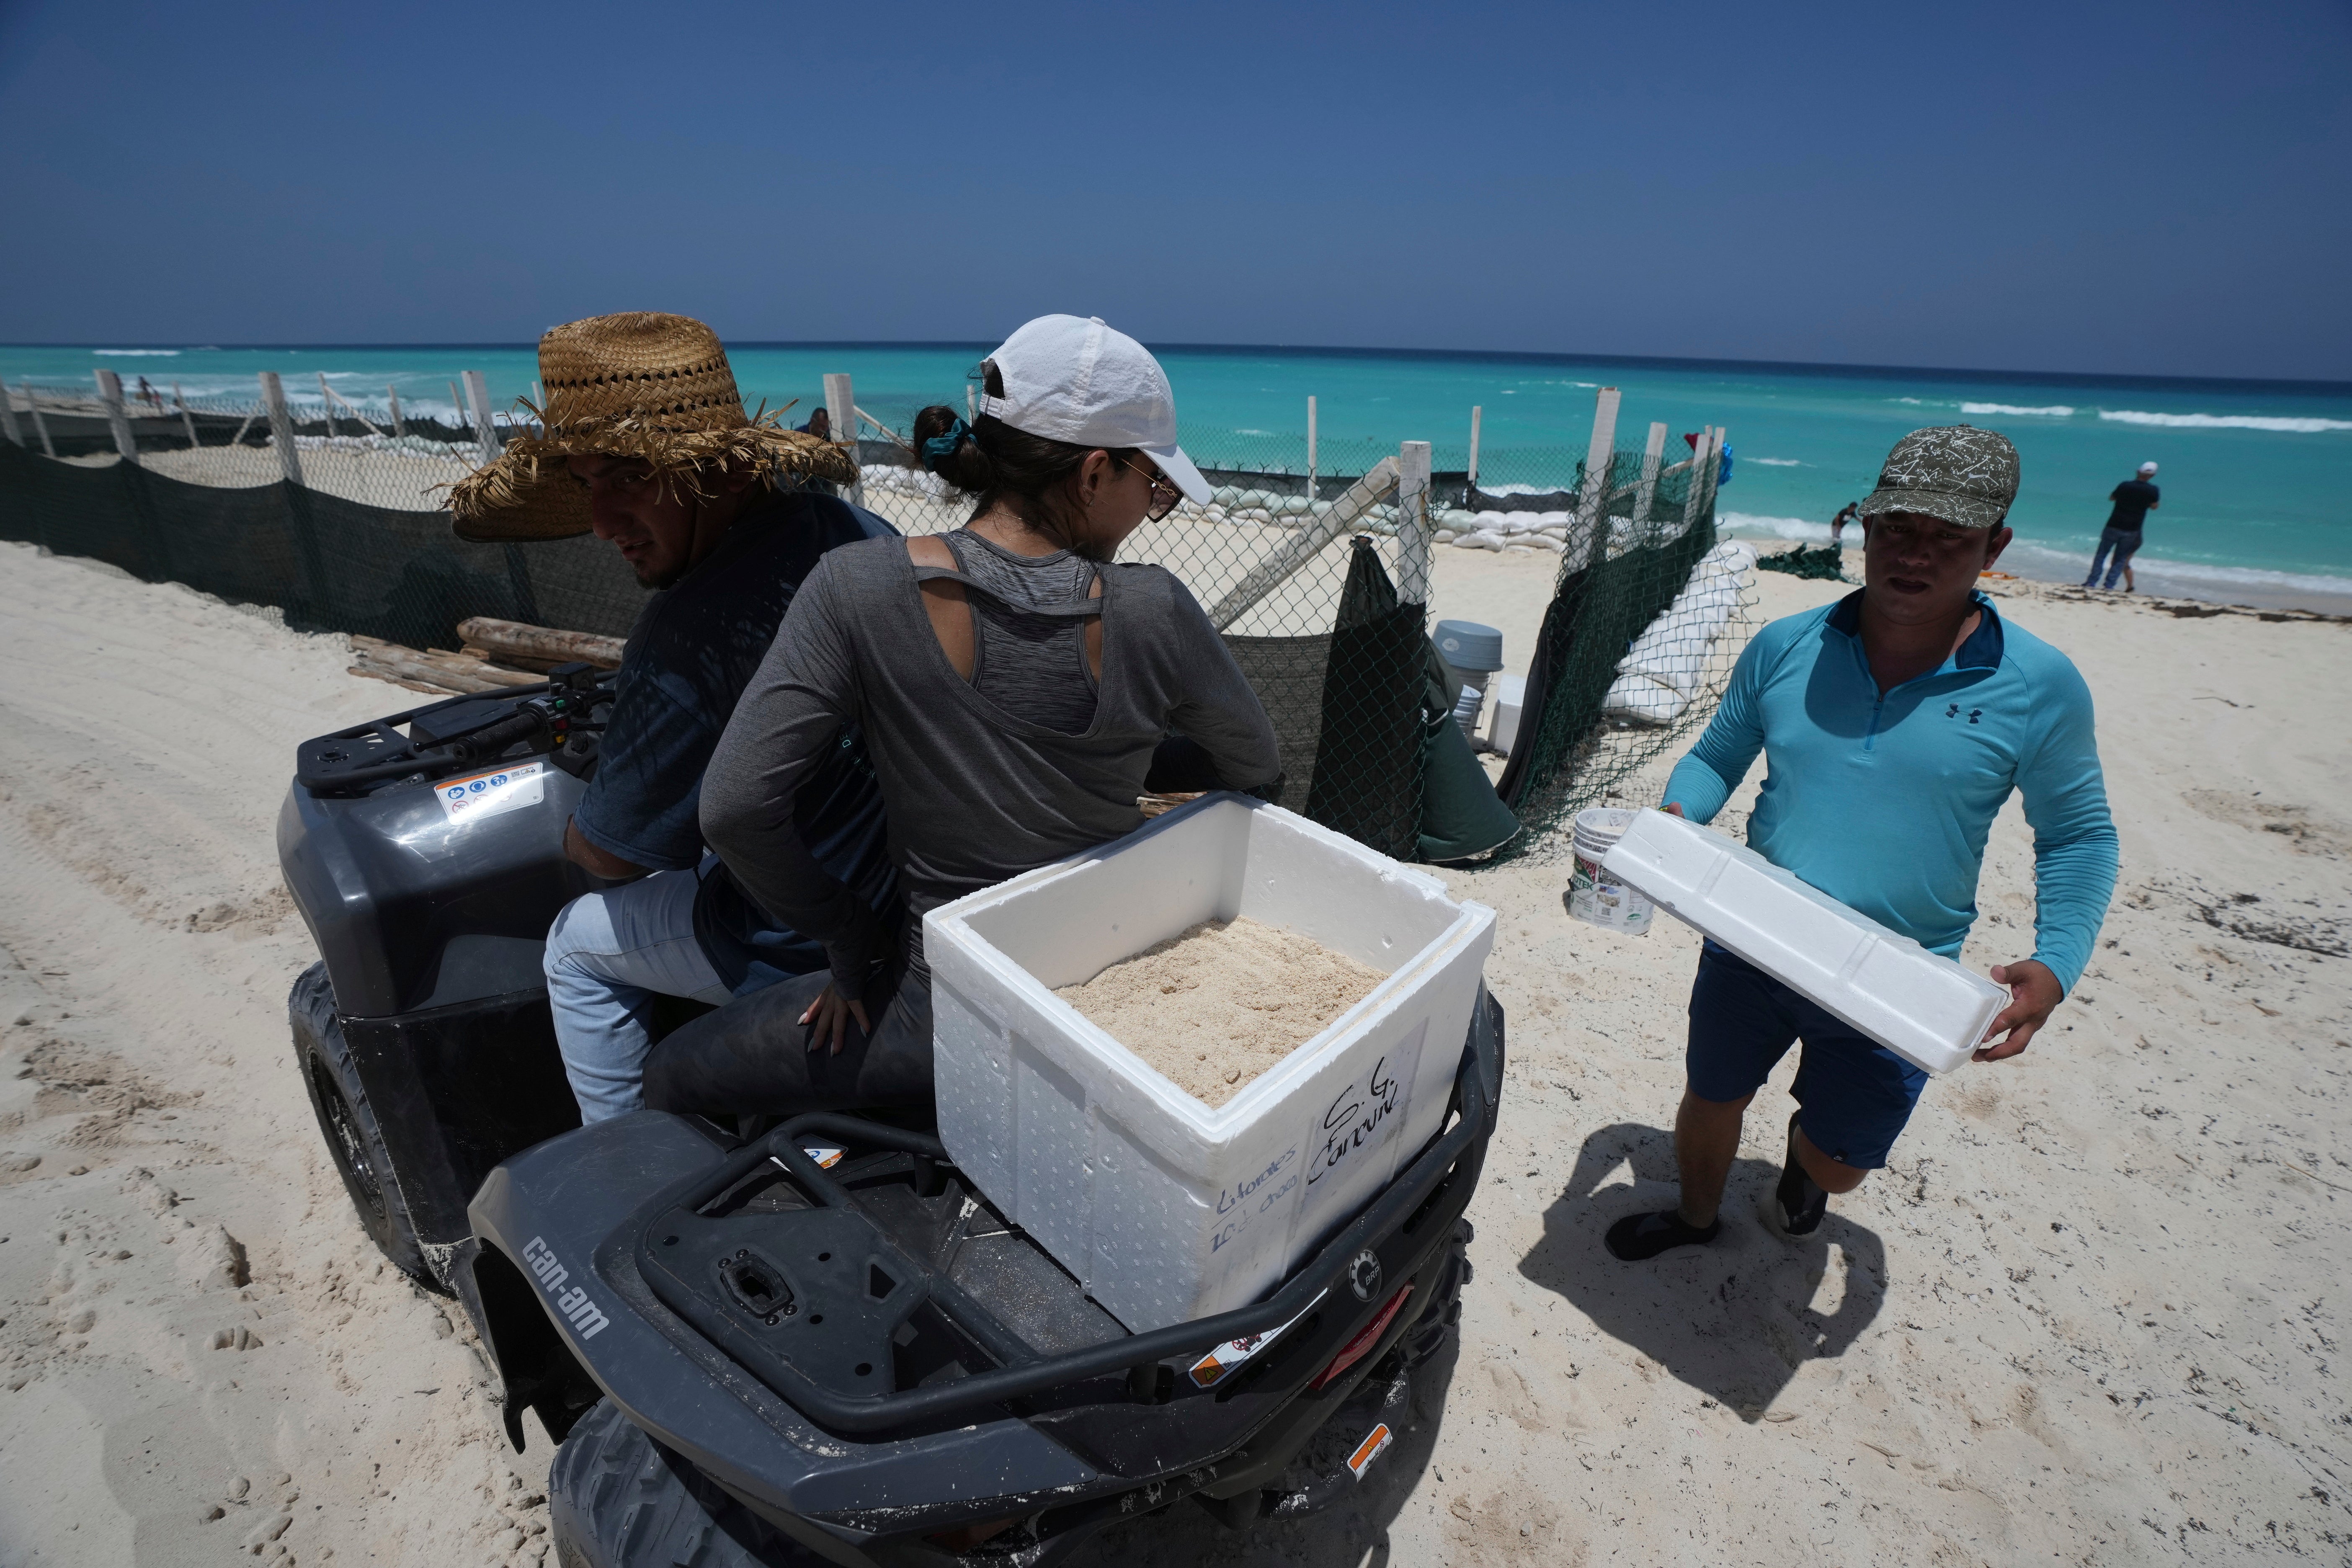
point(812, 1300)
point(455, 733)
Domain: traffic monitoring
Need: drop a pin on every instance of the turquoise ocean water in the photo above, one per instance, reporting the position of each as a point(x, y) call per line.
point(2257, 476)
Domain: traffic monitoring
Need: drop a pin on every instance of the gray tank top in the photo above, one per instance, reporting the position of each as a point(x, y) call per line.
point(1029, 617)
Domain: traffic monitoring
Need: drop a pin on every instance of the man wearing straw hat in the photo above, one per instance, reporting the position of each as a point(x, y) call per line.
point(644, 444)
point(1894, 723)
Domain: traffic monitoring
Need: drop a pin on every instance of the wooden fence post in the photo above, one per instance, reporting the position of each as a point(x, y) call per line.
point(1310, 447)
point(281, 427)
point(109, 389)
point(456, 405)
point(1592, 506)
point(187, 420)
point(327, 403)
point(1412, 522)
point(1653, 452)
point(398, 428)
point(1694, 498)
point(40, 426)
point(1475, 409)
point(1305, 543)
point(9, 416)
point(486, 429)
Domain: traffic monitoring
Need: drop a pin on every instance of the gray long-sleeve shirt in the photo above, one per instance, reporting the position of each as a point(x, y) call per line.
point(973, 794)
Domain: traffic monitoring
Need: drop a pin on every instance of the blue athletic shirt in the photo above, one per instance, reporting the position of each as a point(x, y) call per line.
point(1884, 802)
point(693, 649)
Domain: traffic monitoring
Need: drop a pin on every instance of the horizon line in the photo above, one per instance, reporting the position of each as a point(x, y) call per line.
point(1872, 370)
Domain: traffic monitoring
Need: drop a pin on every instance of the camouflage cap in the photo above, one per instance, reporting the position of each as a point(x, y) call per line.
point(1957, 472)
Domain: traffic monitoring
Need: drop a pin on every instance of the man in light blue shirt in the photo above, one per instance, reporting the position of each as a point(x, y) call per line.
point(1893, 724)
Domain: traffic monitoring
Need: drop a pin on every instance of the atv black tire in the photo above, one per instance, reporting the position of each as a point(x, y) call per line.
point(616, 1499)
point(349, 1125)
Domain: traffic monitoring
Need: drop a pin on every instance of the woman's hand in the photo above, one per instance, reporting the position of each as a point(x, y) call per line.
point(831, 1013)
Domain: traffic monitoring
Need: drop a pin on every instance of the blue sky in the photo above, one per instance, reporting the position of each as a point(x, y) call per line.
point(2154, 188)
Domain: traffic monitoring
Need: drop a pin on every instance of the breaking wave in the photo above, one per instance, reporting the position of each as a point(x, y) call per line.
point(2225, 422)
point(2055, 411)
point(1778, 527)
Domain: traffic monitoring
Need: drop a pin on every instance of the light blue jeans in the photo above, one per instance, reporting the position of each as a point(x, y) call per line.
point(2124, 543)
point(609, 954)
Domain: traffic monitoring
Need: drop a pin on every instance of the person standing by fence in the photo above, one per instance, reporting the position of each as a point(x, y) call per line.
point(1894, 723)
point(2134, 498)
point(646, 445)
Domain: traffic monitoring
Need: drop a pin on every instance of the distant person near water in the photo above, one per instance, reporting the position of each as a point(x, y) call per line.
point(1894, 723)
point(1837, 524)
point(2134, 498)
point(820, 422)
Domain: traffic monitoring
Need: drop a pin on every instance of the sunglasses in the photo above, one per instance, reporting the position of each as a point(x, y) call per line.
point(1164, 493)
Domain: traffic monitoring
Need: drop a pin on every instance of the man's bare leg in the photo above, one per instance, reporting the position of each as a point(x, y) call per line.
point(1830, 1175)
point(1706, 1139)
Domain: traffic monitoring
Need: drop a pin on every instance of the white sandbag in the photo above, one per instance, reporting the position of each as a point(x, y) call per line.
point(1672, 653)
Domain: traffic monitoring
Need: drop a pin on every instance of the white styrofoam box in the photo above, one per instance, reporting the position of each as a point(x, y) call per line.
point(1924, 1007)
point(1164, 1209)
point(1510, 696)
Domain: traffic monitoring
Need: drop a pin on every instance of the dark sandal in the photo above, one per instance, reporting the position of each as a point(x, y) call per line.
point(1639, 1237)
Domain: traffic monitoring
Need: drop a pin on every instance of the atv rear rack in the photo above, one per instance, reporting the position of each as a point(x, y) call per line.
point(766, 1313)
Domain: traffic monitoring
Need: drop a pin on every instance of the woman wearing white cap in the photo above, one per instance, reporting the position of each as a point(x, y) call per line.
point(1012, 684)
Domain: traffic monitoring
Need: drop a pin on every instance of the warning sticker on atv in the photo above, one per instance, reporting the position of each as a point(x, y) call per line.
point(1214, 1367)
point(491, 794)
point(1376, 1443)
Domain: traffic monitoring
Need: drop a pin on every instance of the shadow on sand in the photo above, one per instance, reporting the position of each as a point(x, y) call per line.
point(1733, 1319)
point(1351, 1533)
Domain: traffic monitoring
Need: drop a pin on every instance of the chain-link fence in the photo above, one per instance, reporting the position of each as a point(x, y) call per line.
point(1315, 564)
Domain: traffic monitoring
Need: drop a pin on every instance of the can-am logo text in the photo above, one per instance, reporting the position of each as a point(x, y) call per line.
point(578, 1310)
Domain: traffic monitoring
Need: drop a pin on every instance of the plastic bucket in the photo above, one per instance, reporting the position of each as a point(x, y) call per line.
point(1593, 895)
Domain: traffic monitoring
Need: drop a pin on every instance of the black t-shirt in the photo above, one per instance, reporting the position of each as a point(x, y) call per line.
point(2132, 497)
point(690, 655)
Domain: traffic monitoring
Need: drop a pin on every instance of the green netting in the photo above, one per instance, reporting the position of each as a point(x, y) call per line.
point(1826, 563)
point(1641, 633)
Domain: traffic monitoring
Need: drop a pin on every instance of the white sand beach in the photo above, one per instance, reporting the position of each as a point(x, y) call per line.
point(2090, 1314)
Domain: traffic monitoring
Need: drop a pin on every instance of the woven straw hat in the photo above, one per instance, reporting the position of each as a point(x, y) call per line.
point(637, 384)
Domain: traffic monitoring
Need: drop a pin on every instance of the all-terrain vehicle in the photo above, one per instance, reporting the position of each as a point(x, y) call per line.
point(806, 1343)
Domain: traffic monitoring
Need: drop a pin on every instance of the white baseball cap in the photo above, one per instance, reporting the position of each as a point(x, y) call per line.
point(2147, 468)
point(1071, 378)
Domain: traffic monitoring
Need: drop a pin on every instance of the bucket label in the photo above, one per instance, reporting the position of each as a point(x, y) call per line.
point(1598, 899)
point(491, 794)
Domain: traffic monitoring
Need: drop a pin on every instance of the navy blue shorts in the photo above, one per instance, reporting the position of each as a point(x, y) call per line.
point(1854, 1095)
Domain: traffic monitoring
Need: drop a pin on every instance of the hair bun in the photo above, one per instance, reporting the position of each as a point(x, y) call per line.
point(947, 447)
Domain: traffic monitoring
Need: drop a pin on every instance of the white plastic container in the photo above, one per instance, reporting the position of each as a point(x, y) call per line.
point(1922, 1006)
point(1164, 1209)
point(1502, 727)
point(1594, 895)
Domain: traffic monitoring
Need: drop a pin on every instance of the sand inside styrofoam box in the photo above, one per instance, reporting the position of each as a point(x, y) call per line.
point(1214, 1006)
